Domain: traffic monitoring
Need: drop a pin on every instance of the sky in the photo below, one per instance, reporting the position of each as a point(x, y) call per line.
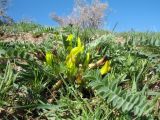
point(126, 15)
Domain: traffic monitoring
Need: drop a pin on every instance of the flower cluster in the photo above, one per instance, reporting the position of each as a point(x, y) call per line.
point(71, 57)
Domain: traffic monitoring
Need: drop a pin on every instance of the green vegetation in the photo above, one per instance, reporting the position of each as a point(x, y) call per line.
point(79, 74)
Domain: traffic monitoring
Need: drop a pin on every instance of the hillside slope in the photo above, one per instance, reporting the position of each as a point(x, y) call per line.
point(68, 73)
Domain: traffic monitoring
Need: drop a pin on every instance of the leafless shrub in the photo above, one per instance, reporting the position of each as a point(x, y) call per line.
point(3, 7)
point(4, 18)
point(84, 15)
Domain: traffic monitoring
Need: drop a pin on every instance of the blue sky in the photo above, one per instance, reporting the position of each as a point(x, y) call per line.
point(140, 15)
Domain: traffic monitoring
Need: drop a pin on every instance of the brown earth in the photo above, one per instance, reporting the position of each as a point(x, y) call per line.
point(27, 37)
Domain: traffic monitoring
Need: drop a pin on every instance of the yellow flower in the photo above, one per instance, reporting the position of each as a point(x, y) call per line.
point(70, 61)
point(106, 68)
point(71, 58)
point(49, 58)
point(79, 42)
point(76, 50)
point(87, 59)
point(70, 37)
